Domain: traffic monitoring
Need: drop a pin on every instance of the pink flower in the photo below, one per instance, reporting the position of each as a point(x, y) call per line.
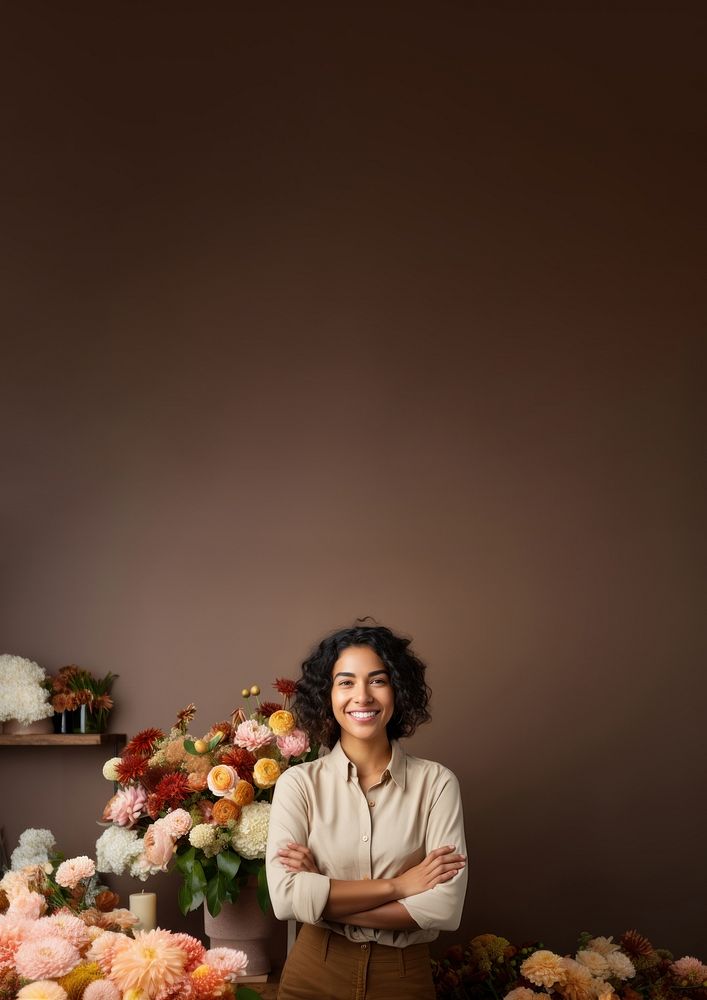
point(194, 949)
point(28, 907)
point(178, 822)
point(13, 931)
point(293, 744)
point(159, 846)
point(69, 873)
point(101, 989)
point(46, 958)
point(229, 962)
point(689, 971)
point(252, 736)
point(63, 924)
point(104, 949)
point(127, 805)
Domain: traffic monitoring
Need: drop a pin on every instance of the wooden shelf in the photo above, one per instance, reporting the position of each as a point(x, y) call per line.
point(63, 740)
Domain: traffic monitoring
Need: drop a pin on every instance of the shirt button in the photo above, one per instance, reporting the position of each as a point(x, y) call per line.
point(371, 803)
point(363, 947)
point(364, 838)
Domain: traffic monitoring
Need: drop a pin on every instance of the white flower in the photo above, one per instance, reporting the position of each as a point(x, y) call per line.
point(142, 869)
point(202, 835)
point(116, 849)
point(22, 696)
point(109, 769)
point(604, 945)
point(34, 848)
point(251, 833)
point(594, 961)
point(620, 966)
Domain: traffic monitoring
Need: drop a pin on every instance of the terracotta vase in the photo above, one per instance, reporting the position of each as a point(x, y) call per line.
point(244, 926)
point(12, 727)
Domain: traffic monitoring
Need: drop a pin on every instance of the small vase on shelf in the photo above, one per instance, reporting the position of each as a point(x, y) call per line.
point(13, 727)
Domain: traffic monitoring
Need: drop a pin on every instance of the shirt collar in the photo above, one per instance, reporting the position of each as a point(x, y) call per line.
point(396, 767)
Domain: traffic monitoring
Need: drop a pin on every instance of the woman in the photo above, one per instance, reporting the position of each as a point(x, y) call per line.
point(366, 845)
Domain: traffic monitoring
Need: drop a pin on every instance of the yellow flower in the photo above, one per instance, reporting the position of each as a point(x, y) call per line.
point(281, 722)
point(76, 981)
point(266, 772)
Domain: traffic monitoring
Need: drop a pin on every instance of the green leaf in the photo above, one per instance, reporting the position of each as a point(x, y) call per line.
point(262, 891)
point(189, 747)
point(212, 897)
point(185, 898)
point(198, 878)
point(197, 900)
point(215, 740)
point(228, 862)
point(185, 861)
point(224, 886)
point(244, 993)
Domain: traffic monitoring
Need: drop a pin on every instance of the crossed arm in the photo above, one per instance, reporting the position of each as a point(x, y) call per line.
point(374, 902)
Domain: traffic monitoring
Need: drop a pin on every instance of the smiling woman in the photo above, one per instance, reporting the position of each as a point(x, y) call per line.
point(366, 845)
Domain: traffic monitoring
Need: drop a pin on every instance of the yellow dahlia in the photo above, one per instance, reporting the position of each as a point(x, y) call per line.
point(149, 962)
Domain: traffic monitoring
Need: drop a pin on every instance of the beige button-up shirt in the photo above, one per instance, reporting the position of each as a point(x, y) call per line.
point(358, 833)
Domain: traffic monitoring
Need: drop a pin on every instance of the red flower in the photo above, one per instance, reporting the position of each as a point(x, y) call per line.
point(242, 760)
point(267, 708)
point(130, 768)
point(172, 790)
point(143, 743)
point(285, 686)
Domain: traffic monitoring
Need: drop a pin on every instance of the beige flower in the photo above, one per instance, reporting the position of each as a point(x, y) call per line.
point(544, 968)
point(604, 945)
point(620, 966)
point(579, 982)
point(522, 993)
point(594, 961)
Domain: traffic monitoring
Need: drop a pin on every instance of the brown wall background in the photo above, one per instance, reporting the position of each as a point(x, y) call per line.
point(317, 311)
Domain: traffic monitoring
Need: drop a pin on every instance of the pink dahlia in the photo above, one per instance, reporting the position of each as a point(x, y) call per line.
point(128, 805)
point(101, 989)
point(63, 924)
point(31, 906)
point(104, 949)
point(46, 958)
point(689, 971)
point(252, 736)
point(229, 962)
point(150, 961)
point(195, 951)
point(13, 931)
point(293, 744)
point(69, 873)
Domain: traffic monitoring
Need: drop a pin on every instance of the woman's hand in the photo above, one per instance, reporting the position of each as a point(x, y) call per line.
point(440, 865)
point(298, 858)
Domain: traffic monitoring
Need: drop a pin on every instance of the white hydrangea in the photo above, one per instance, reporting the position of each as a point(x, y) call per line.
point(142, 869)
point(22, 696)
point(251, 833)
point(109, 769)
point(34, 848)
point(116, 849)
point(202, 836)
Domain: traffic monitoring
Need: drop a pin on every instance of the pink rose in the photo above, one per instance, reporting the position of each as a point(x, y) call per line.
point(293, 744)
point(127, 805)
point(158, 846)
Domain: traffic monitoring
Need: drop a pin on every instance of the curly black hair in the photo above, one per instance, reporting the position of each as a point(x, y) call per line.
point(312, 699)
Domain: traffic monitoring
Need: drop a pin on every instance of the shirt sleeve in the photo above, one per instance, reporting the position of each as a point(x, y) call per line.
point(441, 908)
point(300, 895)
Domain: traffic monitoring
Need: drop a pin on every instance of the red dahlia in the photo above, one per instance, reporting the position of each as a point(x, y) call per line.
point(242, 760)
point(172, 790)
point(131, 767)
point(285, 686)
point(143, 743)
point(267, 708)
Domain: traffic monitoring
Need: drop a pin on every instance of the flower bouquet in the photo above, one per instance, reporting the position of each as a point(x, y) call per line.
point(63, 937)
point(491, 968)
point(23, 691)
point(74, 689)
point(202, 803)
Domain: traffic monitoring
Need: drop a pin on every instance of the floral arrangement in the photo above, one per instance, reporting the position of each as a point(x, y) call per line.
point(491, 968)
point(23, 692)
point(202, 804)
point(73, 688)
point(61, 939)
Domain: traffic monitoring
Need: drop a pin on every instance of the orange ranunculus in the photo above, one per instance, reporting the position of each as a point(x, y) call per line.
point(225, 810)
point(243, 794)
point(281, 722)
point(266, 772)
point(222, 779)
point(197, 782)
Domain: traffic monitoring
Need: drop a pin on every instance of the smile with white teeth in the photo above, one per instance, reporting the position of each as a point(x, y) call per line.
point(364, 715)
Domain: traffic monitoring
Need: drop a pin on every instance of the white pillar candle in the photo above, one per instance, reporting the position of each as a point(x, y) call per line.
point(144, 906)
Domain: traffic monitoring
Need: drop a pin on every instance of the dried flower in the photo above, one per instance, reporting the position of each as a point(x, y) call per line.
point(131, 767)
point(544, 968)
point(242, 760)
point(185, 716)
point(635, 944)
point(285, 686)
point(143, 743)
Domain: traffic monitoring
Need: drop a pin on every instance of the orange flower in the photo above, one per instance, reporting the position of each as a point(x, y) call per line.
point(107, 901)
point(281, 722)
point(224, 811)
point(243, 794)
point(266, 772)
point(197, 782)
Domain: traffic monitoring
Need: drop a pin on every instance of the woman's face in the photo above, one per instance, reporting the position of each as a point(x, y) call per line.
point(361, 694)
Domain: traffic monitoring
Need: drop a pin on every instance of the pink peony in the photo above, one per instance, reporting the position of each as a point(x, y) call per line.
point(101, 989)
point(127, 806)
point(159, 847)
point(689, 971)
point(229, 962)
point(69, 873)
point(195, 951)
point(178, 822)
point(293, 744)
point(252, 736)
point(46, 958)
point(31, 906)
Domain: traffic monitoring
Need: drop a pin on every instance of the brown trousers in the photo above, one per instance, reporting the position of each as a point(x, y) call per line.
point(324, 965)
